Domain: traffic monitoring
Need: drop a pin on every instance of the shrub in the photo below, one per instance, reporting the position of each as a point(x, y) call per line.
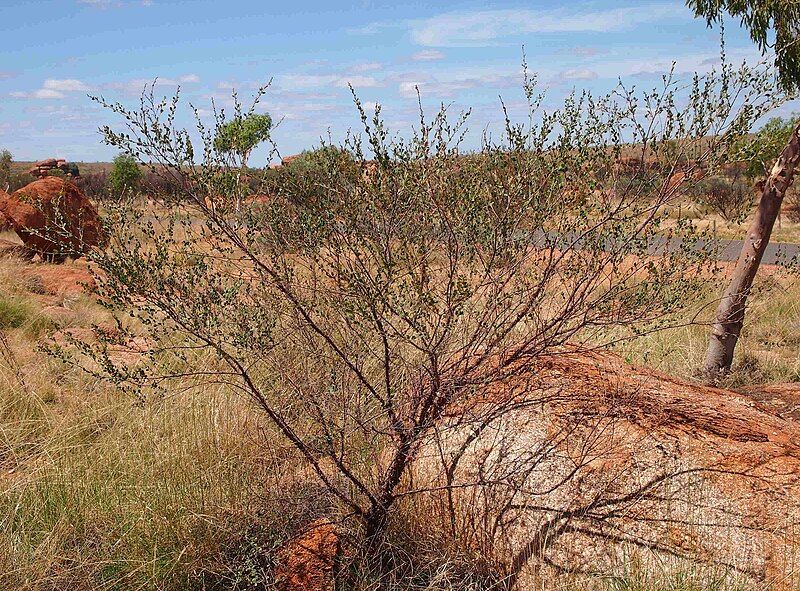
point(17, 313)
point(384, 293)
point(94, 185)
point(731, 198)
point(5, 169)
point(125, 175)
point(760, 151)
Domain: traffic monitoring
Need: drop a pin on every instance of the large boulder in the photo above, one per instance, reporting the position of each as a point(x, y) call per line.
point(53, 218)
point(593, 465)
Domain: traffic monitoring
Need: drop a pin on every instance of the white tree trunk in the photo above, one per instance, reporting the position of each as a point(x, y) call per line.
point(730, 313)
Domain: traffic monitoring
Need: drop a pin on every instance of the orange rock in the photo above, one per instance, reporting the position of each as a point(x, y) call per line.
point(307, 562)
point(57, 280)
point(289, 159)
point(259, 199)
point(54, 218)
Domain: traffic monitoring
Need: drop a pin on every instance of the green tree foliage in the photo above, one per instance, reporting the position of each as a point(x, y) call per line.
point(242, 134)
point(5, 169)
point(125, 175)
point(760, 151)
point(773, 24)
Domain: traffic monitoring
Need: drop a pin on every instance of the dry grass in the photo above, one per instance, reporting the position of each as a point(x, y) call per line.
point(99, 490)
point(769, 350)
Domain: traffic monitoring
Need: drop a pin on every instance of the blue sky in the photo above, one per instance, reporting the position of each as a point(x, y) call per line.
point(465, 53)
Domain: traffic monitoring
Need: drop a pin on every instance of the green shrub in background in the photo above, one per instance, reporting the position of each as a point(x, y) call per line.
point(760, 151)
point(125, 176)
point(731, 198)
point(5, 169)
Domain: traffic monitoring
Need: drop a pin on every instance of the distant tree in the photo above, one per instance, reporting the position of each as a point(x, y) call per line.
point(5, 169)
point(773, 25)
point(238, 137)
point(242, 134)
point(125, 175)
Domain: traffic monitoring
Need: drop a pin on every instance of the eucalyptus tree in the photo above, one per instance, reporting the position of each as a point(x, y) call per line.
point(237, 137)
point(774, 25)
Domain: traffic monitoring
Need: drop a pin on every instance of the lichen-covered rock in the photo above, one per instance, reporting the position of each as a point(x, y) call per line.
point(53, 218)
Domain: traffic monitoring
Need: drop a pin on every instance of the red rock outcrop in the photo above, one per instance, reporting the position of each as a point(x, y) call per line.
point(42, 168)
point(53, 218)
point(594, 463)
point(592, 457)
point(307, 562)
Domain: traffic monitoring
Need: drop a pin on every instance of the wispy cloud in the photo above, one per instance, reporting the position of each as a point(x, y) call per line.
point(487, 27)
point(577, 74)
point(42, 93)
point(367, 67)
point(450, 84)
point(428, 55)
point(136, 85)
point(66, 85)
point(104, 4)
point(54, 89)
point(305, 81)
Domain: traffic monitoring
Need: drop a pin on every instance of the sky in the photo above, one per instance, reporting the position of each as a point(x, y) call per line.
point(466, 54)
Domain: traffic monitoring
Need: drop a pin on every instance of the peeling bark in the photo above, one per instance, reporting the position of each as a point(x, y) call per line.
point(730, 313)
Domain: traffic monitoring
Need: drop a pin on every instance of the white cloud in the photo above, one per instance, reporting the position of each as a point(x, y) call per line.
point(444, 84)
point(136, 85)
point(428, 55)
point(367, 67)
point(486, 27)
point(409, 89)
point(305, 81)
point(583, 51)
point(372, 28)
point(53, 89)
point(47, 93)
point(42, 93)
point(299, 81)
point(69, 85)
point(358, 82)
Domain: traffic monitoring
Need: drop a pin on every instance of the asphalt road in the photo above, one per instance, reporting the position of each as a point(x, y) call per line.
point(727, 250)
point(775, 252)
